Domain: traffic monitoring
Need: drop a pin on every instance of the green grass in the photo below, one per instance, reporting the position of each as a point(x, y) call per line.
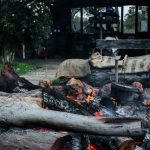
point(20, 68)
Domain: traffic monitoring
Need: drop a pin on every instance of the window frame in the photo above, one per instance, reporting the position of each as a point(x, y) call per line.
point(121, 23)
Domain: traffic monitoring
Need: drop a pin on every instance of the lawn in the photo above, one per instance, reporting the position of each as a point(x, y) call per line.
point(20, 67)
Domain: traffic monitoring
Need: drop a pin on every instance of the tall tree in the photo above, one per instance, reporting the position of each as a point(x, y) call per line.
point(23, 22)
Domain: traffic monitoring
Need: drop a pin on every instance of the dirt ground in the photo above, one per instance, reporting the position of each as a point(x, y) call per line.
point(46, 69)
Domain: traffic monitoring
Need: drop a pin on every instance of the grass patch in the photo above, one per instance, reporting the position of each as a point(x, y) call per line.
point(20, 68)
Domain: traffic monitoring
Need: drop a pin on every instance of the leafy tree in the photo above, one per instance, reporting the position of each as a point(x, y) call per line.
point(23, 22)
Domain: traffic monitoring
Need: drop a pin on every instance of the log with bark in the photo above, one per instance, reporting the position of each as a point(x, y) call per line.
point(20, 110)
point(28, 139)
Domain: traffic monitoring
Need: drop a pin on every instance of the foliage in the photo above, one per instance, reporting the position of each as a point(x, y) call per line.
point(20, 68)
point(25, 21)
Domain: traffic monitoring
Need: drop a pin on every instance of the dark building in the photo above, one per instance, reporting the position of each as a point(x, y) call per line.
point(78, 23)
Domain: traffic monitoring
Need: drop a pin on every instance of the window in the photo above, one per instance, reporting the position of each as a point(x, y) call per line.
point(142, 18)
point(76, 19)
point(116, 19)
point(119, 13)
point(129, 19)
point(87, 24)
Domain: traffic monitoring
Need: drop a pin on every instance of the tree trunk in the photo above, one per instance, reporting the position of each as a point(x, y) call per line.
point(7, 55)
point(23, 51)
point(20, 110)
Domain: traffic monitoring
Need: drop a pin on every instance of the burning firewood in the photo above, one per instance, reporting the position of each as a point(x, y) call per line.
point(76, 89)
point(80, 90)
point(56, 101)
point(81, 95)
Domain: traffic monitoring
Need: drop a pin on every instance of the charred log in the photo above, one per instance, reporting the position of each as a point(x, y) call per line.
point(146, 145)
point(78, 142)
point(139, 77)
point(57, 101)
point(103, 142)
point(28, 85)
point(7, 85)
point(125, 143)
point(109, 105)
point(99, 77)
point(112, 143)
point(72, 142)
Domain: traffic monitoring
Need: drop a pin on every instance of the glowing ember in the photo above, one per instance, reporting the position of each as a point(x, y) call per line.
point(92, 147)
point(98, 114)
point(79, 98)
point(71, 97)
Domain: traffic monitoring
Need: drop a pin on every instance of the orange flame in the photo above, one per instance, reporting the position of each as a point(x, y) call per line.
point(70, 97)
point(89, 98)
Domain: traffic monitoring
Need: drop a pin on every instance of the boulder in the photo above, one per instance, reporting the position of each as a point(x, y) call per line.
point(73, 68)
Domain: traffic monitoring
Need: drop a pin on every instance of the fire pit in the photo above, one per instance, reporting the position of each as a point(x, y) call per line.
point(87, 113)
